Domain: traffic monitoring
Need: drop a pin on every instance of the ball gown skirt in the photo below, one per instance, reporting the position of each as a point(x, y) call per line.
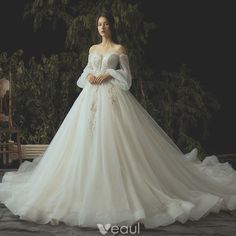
point(110, 162)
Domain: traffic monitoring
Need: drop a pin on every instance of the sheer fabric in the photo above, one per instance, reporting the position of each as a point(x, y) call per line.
point(110, 162)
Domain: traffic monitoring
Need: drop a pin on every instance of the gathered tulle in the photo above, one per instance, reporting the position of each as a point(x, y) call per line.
point(110, 162)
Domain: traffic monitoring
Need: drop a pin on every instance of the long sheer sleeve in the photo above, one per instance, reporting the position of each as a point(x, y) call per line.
point(82, 81)
point(121, 77)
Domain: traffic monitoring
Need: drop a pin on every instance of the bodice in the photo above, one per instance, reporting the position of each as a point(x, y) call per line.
point(100, 63)
point(116, 65)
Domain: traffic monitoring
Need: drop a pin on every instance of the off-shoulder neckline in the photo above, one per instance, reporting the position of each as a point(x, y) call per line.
point(107, 53)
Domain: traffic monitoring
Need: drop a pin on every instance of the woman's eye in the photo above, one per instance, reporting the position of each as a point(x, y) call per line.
point(107, 24)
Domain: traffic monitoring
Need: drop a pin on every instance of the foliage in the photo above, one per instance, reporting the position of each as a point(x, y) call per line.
point(181, 107)
point(43, 92)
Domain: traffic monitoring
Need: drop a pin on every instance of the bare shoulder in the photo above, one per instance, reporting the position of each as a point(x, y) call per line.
point(121, 49)
point(92, 48)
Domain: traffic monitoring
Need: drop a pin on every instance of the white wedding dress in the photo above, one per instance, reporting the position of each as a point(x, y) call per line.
point(110, 163)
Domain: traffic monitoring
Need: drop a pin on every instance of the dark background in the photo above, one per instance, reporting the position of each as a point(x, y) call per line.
point(197, 33)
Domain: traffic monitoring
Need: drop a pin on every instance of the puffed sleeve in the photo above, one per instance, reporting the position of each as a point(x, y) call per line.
point(121, 77)
point(82, 81)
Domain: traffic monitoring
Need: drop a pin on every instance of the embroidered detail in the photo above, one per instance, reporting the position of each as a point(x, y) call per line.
point(93, 110)
point(92, 121)
point(111, 92)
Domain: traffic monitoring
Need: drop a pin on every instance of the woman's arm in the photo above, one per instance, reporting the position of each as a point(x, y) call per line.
point(82, 81)
point(121, 77)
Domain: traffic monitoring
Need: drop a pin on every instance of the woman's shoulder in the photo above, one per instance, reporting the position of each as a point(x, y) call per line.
point(92, 48)
point(120, 49)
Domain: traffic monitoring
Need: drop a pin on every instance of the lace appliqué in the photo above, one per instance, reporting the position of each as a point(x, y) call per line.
point(92, 121)
point(111, 91)
point(93, 109)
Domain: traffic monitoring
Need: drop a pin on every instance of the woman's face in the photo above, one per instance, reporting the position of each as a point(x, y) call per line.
point(103, 27)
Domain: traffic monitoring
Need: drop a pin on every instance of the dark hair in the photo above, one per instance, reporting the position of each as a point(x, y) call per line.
point(111, 21)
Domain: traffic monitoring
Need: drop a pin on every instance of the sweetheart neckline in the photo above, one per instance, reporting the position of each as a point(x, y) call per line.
point(107, 53)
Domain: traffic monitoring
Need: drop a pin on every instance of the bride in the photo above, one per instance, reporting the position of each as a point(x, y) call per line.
point(110, 162)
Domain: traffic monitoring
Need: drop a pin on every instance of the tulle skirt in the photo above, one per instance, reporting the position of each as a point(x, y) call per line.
point(110, 163)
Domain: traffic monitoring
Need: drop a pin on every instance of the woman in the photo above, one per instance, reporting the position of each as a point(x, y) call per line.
point(110, 162)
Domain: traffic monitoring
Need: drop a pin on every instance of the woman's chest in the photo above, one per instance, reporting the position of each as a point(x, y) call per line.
point(110, 60)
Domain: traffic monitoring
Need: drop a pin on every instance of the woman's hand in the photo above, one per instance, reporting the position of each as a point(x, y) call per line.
point(99, 79)
point(91, 78)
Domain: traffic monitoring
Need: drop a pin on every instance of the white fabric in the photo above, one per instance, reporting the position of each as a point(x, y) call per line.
point(81, 82)
point(108, 64)
point(110, 162)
